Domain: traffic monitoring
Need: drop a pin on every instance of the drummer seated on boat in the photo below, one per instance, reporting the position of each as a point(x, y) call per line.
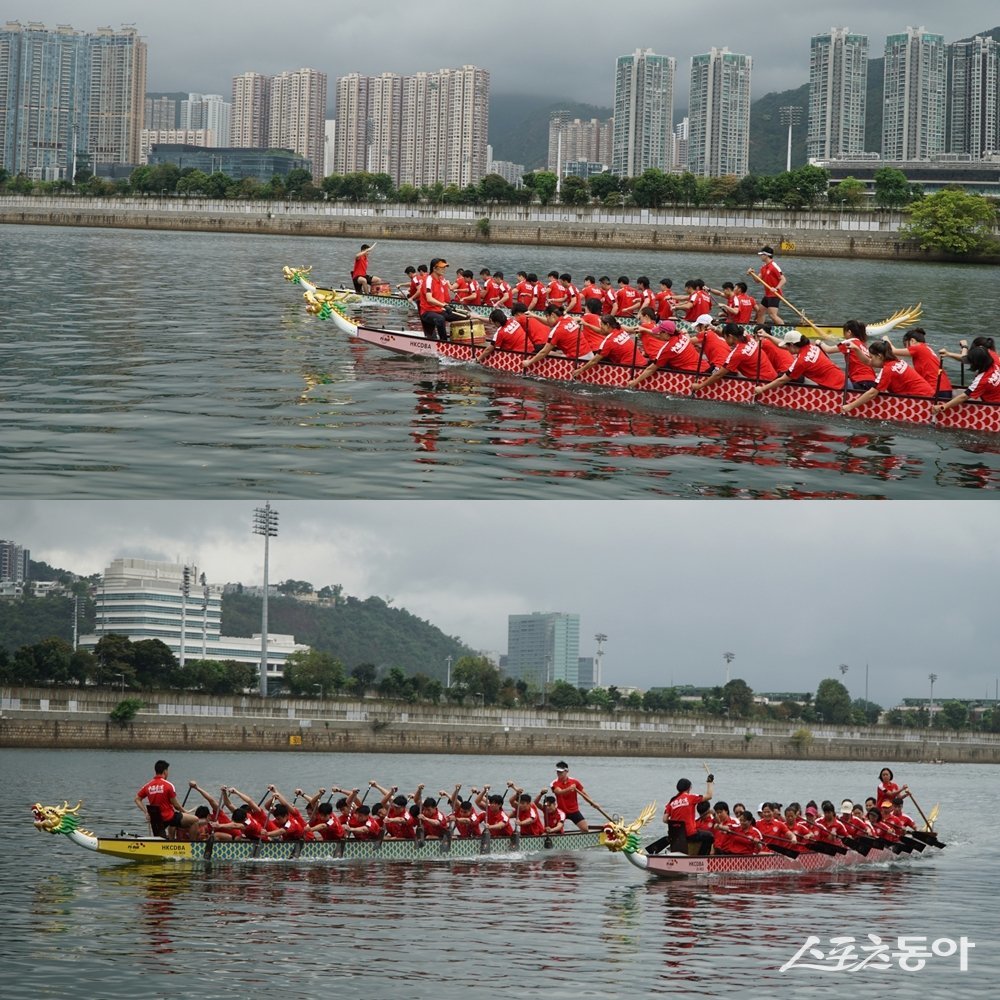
point(434, 301)
point(163, 812)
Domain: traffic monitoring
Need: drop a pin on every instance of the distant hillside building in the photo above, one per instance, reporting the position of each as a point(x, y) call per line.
point(719, 114)
point(142, 599)
point(14, 562)
point(914, 110)
point(209, 113)
point(574, 141)
point(974, 97)
point(543, 648)
point(644, 113)
point(838, 89)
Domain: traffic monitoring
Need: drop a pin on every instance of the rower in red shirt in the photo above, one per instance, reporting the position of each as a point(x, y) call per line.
point(926, 361)
point(890, 376)
point(526, 814)
point(464, 820)
point(781, 359)
point(556, 293)
point(628, 300)
point(745, 358)
point(510, 334)
point(880, 827)
point(725, 827)
point(591, 323)
point(607, 295)
point(830, 828)
point(618, 347)
point(565, 335)
point(664, 299)
point(696, 302)
point(711, 347)
point(898, 818)
point(810, 362)
point(854, 348)
point(747, 839)
point(361, 825)
point(495, 819)
point(746, 304)
point(591, 290)
point(524, 291)
point(985, 387)
point(774, 829)
point(325, 824)
point(398, 822)
point(553, 818)
point(574, 301)
point(289, 824)
point(431, 820)
point(646, 296)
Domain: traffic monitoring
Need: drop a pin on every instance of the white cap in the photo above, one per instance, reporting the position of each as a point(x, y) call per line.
point(705, 319)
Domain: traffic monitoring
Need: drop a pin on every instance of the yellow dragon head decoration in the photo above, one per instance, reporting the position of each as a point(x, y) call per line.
point(616, 836)
point(56, 819)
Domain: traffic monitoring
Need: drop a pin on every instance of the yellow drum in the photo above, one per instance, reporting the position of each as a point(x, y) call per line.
point(465, 331)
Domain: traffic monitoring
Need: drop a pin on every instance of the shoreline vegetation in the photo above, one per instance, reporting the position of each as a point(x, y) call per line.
point(877, 234)
point(99, 719)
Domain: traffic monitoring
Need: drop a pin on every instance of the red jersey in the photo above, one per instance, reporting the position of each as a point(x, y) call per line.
point(591, 324)
point(400, 824)
point(414, 286)
point(986, 386)
point(574, 301)
point(461, 286)
point(886, 791)
point(774, 830)
point(830, 830)
point(770, 275)
point(701, 303)
point(781, 360)
point(567, 335)
point(748, 841)
point(474, 293)
point(159, 793)
point(467, 826)
point(294, 826)
point(591, 292)
point(538, 332)
point(714, 348)
point(437, 288)
point(857, 370)
point(900, 378)
point(529, 820)
point(565, 790)
point(749, 360)
point(664, 304)
point(928, 366)
point(812, 363)
point(554, 819)
point(681, 809)
point(360, 269)
point(540, 297)
point(724, 840)
point(651, 346)
point(332, 828)
point(363, 827)
point(253, 829)
point(608, 299)
point(627, 301)
point(746, 307)
point(619, 348)
point(680, 354)
point(512, 337)
point(434, 823)
point(524, 292)
point(494, 816)
point(556, 294)
point(901, 821)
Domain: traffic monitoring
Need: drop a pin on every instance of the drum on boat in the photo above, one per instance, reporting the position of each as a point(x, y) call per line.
point(464, 331)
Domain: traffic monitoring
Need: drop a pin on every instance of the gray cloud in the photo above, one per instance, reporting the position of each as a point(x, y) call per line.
point(792, 589)
point(567, 52)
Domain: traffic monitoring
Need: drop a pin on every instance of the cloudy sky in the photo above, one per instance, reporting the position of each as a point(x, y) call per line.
point(565, 50)
point(792, 589)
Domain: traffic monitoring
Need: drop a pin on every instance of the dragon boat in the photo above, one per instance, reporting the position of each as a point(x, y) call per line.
point(317, 296)
point(624, 840)
point(909, 410)
point(64, 820)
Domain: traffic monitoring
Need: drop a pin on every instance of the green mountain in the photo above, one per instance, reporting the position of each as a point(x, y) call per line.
point(769, 138)
point(519, 126)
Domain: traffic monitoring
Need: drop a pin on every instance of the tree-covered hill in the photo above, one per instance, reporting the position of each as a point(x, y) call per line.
point(355, 631)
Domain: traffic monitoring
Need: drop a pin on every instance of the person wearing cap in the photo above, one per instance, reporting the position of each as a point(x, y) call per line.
point(433, 301)
point(711, 346)
point(677, 353)
point(773, 279)
point(566, 790)
point(809, 362)
point(890, 376)
point(745, 358)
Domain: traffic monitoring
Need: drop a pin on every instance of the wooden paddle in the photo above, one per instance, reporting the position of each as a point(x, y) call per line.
point(774, 291)
point(916, 805)
point(776, 848)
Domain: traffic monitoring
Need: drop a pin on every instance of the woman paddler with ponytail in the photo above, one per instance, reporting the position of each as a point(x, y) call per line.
point(679, 815)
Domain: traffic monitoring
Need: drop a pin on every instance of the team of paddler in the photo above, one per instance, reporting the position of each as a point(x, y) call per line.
point(235, 815)
point(585, 324)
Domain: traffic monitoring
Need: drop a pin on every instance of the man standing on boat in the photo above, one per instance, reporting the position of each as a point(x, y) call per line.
point(773, 279)
point(163, 810)
point(566, 790)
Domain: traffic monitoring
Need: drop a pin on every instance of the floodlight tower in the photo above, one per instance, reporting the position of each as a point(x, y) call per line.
point(600, 639)
point(265, 522)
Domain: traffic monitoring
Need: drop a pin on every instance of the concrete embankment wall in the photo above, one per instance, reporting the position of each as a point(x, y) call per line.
point(869, 235)
point(72, 719)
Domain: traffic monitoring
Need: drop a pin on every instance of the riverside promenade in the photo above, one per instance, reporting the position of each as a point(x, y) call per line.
point(79, 719)
point(873, 235)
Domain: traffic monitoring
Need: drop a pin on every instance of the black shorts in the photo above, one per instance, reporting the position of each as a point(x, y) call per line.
point(770, 302)
point(575, 817)
point(158, 824)
point(357, 283)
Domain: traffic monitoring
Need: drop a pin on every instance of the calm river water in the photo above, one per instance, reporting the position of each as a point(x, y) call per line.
point(575, 925)
point(135, 364)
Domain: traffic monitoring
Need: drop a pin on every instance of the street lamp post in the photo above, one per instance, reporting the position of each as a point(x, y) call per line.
point(930, 708)
point(728, 657)
point(447, 674)
point(204, 617)
point(121, 677)
point(265, 522)
point(600, 639)
point(319, 687)
point(185, 593)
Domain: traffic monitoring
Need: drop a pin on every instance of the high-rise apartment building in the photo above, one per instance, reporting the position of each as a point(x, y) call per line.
point(423, 129)
point(838, 89)
point(644, 113)
point(719, 114)
point(914, 105)
point(14, 562)
point(576, 141)
point(65, 92)
point(207, 112)
point(974, 97)
point(297, 118)
point(287, 111)
point(142, 599)
point(682, 134)
point(543, 648)
point(161, 113)
point(251, 111)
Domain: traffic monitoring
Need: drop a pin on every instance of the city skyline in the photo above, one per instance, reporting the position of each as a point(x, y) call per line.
point(858, 585)
point(246, 36)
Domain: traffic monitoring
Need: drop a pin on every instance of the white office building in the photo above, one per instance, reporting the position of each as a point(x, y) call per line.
point(719, 114)
point(644, 113)
point(914, 109)
point(838, 89)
